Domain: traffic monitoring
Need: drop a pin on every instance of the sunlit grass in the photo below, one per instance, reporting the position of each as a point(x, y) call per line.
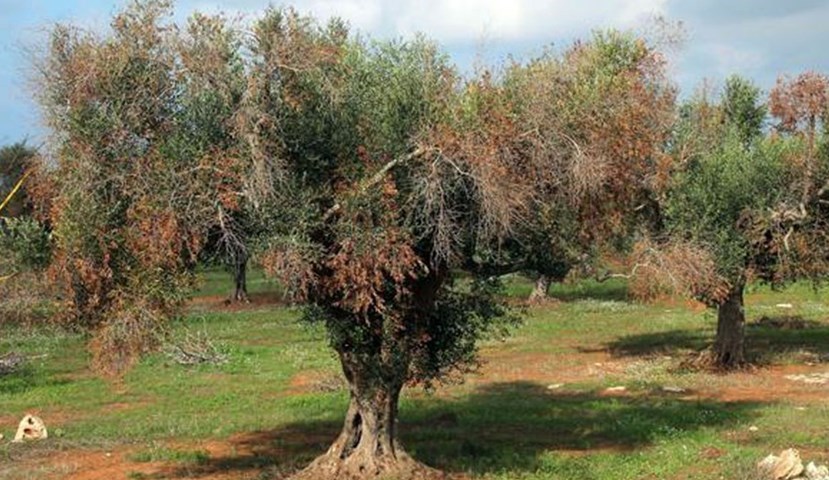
point(497, 428)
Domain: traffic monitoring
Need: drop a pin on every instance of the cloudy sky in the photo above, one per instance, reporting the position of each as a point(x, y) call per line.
point(757, 38)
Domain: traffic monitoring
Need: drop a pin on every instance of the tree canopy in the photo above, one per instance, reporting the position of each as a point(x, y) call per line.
point(741, 206)
point(145, 164)
point(363, 174)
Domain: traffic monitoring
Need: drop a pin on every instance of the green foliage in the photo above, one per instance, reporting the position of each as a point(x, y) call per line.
point(462, 318)
point(743, 108)
point(24, 245)
point(712, 199)
point(14, 161)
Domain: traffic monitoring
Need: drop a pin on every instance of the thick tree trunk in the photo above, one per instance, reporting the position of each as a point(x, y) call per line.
point(729, 345)
point(367, 447)
point(240, 268)
point(539, 293)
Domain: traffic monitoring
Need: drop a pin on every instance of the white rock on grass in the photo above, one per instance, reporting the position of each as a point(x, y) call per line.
point(787, 466)
point(814, 472)
point(30, 428)
point(766, 465)
point(812, 378)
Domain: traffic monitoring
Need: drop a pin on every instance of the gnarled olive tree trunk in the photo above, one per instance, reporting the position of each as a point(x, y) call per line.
point(539, 293)
point(376, 370)
point(240, 281)
point(729, 345)
point(368, 447)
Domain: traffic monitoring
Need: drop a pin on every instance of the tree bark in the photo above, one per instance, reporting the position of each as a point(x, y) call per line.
point(539, 293)
point(240, 268)
point(367, 447)
point(729, 345)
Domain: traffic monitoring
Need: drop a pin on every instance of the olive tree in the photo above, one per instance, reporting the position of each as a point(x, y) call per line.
point(598, 115)
point(377, 171)
point(740, 207)
point(710, 204)
point(141, 136)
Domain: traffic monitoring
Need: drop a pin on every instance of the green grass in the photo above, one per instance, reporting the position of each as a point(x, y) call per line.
point(503, 424)
point(217, 281)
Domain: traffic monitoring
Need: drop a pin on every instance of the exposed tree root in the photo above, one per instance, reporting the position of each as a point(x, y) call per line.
point(708, 361)
point(367, 465)
point(367, 447)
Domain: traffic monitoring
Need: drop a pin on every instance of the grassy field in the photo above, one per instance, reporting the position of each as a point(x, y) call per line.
point(538, 408)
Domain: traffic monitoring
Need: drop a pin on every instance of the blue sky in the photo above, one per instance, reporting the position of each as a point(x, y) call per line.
point(756, 38)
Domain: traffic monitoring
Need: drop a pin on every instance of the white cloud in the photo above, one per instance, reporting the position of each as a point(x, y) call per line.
point(467, 21)
point(732, 59)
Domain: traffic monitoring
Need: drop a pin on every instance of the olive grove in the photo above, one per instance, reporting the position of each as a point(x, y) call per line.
point(362, 175)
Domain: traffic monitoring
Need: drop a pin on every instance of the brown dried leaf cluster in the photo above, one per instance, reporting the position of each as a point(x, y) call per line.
point(801, 101)
point(675, 268)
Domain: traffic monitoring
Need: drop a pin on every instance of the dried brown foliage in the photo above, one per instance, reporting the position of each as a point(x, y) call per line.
point(481, 153)
point(800, 102)
point(146, 161)
point(596, 123)
point(674, 268)
point(800, 105)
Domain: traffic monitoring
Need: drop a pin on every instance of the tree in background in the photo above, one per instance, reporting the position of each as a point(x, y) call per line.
point(229, 245)
point(709, 205)
point(599, 115)
point(736, 211)
point(25, 239)
point(15, 160)
point(742, 108)
point(140, 120)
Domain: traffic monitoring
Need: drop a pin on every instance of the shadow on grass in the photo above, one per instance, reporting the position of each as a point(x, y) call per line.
point(766, 340)
point(28, 378)
point(670, 342)
point(500, 427)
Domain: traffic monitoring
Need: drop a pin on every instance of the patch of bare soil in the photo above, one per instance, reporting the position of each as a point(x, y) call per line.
point(245, 456)
point(544, 368)
point(96, 465)
point(797, 384)
point(316, 382)
point(768, 385)
point(82, 464)
point(222, 303)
